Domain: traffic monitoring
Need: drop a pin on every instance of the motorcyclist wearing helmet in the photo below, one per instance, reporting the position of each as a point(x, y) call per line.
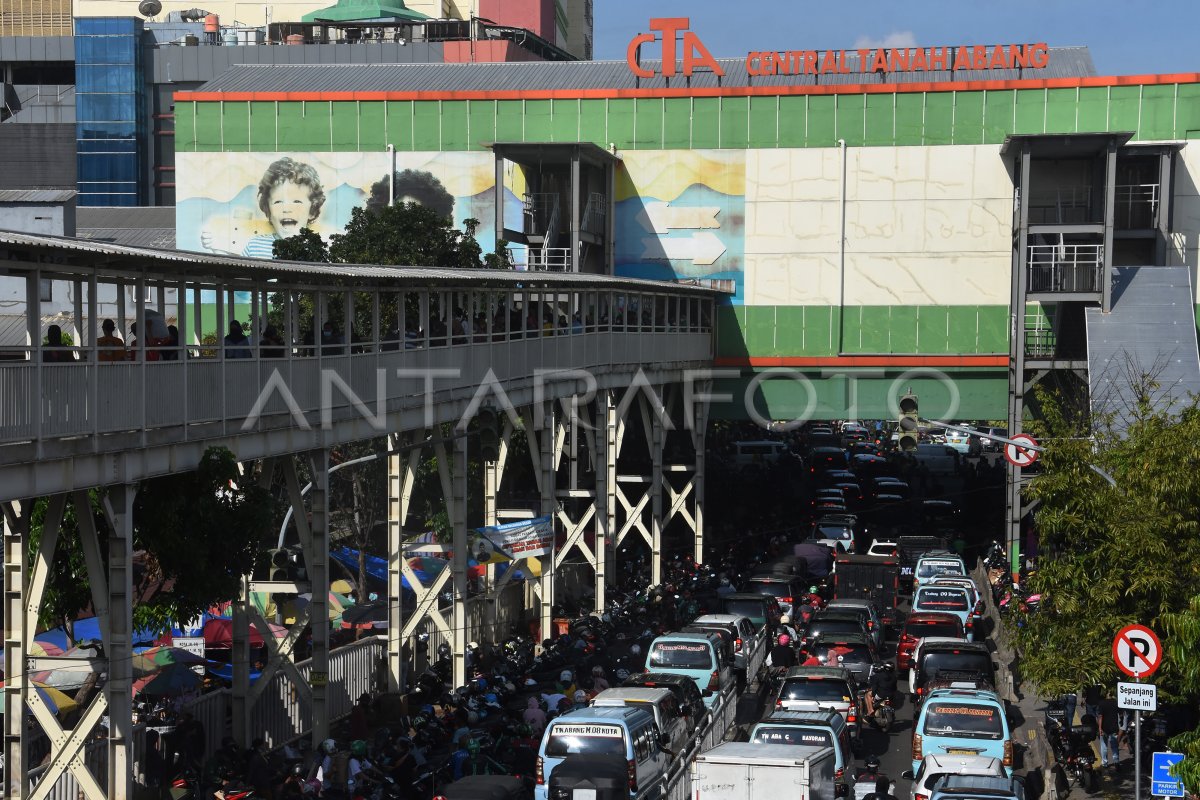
point(882, 684)
point(599, 682)
point(224, 763)
point(361, 774)
point(785, 626)
point(883, 790)
point(459, 758)
point(782, 655)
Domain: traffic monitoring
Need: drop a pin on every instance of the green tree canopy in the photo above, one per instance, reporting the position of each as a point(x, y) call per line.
point(1110, 556)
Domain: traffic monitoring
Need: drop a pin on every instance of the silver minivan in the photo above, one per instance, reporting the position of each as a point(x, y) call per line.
point(660, 702)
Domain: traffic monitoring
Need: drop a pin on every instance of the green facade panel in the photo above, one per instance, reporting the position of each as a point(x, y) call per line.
point(481, 122)
point(1030, 111)
point(564, 126)
point(706, 123)
point(999, 110)
point(207, 122)
point(939, 118)
point(764, 122)
point(305, 126)
point(400, 124)
point(264, 118)
point(185, 127)
point(902, 329)
point(454, 133)
point(880, 120)
point(1187, 111)
point(593, 121)
point(1158, 113)
point(822, 121)
point(427, 126)
point(1093, 108)
point(677, 123)
point(968, 118)
point(620, 123)
point(235, 127)
point(933, 324)
point(793, 121)
point(372, 125)
point(851, 119)
point(910, 117)
point(510, 120)
point(648, 123)
point(1124, 107)
point(1061, 110)
point(345, 122)
point(735, 122)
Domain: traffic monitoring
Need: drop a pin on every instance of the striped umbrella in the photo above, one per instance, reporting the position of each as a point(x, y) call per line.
point(58, 702)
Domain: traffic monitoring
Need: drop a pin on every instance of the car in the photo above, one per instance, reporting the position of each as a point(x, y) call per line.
point(831, 478)
point(851, 492)
point(815, 729)
point(823, 459)
point(962, 442)
point(867, 449)
point(940, 515)
point(784, 588)
point(830, 493)
point(820, 689)
point(938, 562)
point(937, 661)
point(624, 732)
point(827, 506)
point(852, 433)
point(934, 767)
point(962, 722)
point(949, 600)
point(854, 651)
point(668, 716)
point(835, 531)
point(977, 608)
point(883, 548)
point(868, 464)
point(746, 638)
point(833, 623)
point(760, 453)
point(978, 787)
point(699, 656)
point(920, 625)
point(762, 609)
point(938, 459)
point(866, 611)
point(990, 444)
point(687, 694)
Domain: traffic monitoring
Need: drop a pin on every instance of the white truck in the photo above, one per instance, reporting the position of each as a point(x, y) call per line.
point(744, 771)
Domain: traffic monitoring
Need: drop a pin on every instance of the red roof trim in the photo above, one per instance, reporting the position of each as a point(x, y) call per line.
point(733, 91)
point(902, 361)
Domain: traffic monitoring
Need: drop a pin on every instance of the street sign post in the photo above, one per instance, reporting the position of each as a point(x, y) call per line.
point(1137, 696)
point(194, 645)
point(1137, 652)
point(1161, 782)
point(1021, 450)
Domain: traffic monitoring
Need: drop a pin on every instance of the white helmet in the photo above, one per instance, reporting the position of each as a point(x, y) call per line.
point(785, 620)
point(329, 746)
point(565, 677)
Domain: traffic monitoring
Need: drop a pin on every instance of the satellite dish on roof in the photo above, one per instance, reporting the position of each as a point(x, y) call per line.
point(149, 8)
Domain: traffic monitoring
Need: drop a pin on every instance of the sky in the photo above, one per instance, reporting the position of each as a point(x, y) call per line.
point(1133, 37)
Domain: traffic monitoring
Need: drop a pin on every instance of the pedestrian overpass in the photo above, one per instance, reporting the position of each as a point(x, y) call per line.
point(583, 364)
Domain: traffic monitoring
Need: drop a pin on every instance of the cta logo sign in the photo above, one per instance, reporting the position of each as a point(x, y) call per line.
point(694, 52)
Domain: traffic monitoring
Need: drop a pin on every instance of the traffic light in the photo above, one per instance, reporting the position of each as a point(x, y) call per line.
point(489, 434)
point(908, 422)
point(281, 563)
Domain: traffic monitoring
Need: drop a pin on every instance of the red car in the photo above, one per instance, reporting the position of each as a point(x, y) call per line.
point(921, 624)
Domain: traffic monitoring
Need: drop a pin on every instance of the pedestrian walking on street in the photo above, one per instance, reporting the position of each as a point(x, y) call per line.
point(1110, 727)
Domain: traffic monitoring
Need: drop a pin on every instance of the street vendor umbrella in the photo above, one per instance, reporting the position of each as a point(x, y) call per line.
point(368, 615)
point(58, 702)
point(163, 655)
point(170, 681)
point(218, 634)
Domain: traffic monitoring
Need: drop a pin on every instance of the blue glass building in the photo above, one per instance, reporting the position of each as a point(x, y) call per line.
point(109, 111)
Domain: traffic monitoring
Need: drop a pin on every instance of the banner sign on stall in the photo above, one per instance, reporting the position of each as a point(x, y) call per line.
point(514, 540)
point(194, 645)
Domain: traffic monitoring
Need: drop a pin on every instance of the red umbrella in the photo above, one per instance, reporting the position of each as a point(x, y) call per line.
point(218, 634)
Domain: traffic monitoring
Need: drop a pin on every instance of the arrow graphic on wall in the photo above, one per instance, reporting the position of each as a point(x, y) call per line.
point(663, 217)
point(702, 249)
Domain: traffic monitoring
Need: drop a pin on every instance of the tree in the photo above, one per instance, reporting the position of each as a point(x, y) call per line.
point(1113, 556)
point(359, 493)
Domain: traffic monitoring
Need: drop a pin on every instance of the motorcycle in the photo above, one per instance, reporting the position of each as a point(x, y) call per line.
point(884, 715)
point(866, 776)
point(1073, 752)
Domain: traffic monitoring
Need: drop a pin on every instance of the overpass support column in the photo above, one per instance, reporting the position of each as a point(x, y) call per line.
point(318, 575)
point(16, 535)
point(696, 412)
point(454, 489)
point(604, 462)
point(118, 507)
point(540, 430)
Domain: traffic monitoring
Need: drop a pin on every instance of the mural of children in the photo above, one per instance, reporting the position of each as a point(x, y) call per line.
point(413, 186)
point(290, 196)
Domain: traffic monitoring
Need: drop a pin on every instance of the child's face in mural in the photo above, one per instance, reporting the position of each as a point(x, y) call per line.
point(289, 209)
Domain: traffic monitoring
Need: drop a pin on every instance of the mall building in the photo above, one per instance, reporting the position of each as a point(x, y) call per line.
point(994, 215)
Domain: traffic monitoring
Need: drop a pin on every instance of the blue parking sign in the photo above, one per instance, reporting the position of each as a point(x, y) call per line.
point(1161, 782)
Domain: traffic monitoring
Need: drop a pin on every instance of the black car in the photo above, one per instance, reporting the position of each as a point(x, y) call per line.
point(952, 662)
point(824, 459)
point(833, 622)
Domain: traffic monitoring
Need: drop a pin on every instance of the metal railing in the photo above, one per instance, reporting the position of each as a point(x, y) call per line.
point(1062, 205)
point(595, 214)
point(1067, 268)
point(721, 717)
point(1136, 206)
point(550, 259)
point(1040, 339)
